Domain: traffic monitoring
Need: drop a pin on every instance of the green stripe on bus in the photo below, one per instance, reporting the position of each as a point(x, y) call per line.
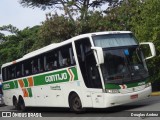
point(29, 92)
point(112, 86)
point(9, 85)
point(129, 85)
point(25, 82)
point(74, 70)
point(50, 78)
point(143, 82)
point(15, 84)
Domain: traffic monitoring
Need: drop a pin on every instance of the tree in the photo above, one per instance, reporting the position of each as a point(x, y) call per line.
point(28, 37)
point(55, 29)
point(70, 7)
point(147, 28)
point(16, 45)
point(2, 37)
point(9, 28)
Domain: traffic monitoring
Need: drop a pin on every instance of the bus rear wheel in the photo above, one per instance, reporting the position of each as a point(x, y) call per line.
point(22, 105)
point(75, 104)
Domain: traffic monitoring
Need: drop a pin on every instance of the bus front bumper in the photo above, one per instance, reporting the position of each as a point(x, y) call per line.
point(119, 99)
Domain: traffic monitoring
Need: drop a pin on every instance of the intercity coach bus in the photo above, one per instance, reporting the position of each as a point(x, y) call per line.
point(94, 70)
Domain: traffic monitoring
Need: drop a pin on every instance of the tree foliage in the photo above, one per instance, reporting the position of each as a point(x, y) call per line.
point(16, 45)
point(70, 7)
point(147, 28)
point(9, 28)
point(55, 29)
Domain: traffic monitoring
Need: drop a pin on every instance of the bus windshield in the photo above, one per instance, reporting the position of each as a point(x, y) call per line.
point(123, 63)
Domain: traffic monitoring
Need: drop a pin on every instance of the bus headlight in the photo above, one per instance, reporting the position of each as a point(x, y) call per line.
point(148, 85)
point(112, 90)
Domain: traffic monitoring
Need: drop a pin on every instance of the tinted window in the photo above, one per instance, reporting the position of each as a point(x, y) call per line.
point(114, 40)
point(51, 60)
point(87, 64)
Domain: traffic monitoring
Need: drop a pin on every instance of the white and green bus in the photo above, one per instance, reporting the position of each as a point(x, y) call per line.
point(94, 70)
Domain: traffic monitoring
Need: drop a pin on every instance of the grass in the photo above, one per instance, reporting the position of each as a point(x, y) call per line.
point(155, 93)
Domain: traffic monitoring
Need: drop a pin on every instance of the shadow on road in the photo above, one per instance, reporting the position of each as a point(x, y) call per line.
point(112, 111)
point(118, 111)
point(89, 110)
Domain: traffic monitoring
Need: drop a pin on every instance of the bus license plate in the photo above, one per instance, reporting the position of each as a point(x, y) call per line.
point(134, 96)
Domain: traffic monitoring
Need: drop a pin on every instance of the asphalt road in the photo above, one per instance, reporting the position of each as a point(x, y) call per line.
point(150, 105)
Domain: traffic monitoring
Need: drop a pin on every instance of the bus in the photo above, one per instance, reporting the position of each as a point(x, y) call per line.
point(93, 70)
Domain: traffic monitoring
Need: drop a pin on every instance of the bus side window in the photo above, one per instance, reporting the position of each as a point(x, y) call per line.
point(18, 73)
point(49, 66)
point(40, 64)
point(35, 70)
point(18, 70)
point(60, 58)
point(4, 73)
point(13, 74)
point(71, 56)
point(26, 72)
point(87, 63)
point(22, 69)
point(28, 67)
point(50, 59)
point(9, 73)
point(34, 65)
point(65, 62)
point(55, 64)
point(66, 57)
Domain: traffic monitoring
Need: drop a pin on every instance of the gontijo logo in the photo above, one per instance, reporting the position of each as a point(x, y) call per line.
point(56, 77)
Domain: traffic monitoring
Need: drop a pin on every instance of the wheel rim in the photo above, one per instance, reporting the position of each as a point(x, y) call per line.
point(77, 104)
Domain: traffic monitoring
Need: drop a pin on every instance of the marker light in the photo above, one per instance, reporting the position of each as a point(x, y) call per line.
point(148, 85)
point(112, 90)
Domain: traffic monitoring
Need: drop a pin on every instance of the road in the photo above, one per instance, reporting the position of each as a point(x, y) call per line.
point(151, 104)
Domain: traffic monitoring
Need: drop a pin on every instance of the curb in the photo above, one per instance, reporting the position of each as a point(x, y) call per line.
point(155, 94)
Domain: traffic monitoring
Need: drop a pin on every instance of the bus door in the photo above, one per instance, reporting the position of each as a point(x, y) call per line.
point(89, 70)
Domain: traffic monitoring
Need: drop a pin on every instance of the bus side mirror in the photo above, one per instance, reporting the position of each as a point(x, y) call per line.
point(152, 49)
point(99, 53)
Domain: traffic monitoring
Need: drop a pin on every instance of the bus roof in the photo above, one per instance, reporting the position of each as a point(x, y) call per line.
point(56, 45)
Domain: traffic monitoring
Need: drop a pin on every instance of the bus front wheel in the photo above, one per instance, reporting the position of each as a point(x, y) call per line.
point(75, 103)
point(15, 103)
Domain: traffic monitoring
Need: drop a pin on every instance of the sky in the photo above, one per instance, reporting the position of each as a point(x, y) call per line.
point(11, 12)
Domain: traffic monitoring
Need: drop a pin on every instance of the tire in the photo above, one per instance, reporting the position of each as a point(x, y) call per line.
point(75, 104)
point(22, 106)
point(15, 104)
